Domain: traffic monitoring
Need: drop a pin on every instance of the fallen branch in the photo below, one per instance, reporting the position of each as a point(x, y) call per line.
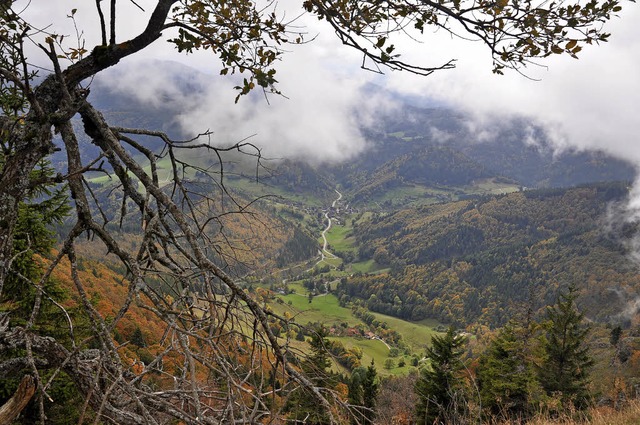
point(12, 408)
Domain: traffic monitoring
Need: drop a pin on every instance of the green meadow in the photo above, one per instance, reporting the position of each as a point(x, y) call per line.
point(326, 309)
point(340, 239)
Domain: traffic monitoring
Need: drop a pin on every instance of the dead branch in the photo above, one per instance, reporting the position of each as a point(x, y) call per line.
point(12, 408)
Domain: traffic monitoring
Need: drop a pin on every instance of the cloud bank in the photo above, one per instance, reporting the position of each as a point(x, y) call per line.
point(320, 120)
point(590, 103)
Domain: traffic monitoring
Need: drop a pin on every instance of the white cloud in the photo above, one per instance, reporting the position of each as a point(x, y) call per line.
point(317, 120)
point(320, 120)
point(586, 103)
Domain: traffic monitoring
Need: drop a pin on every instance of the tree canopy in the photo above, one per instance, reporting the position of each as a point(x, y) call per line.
point(218, 347)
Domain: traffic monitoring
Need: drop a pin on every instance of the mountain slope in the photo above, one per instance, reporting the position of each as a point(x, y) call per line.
point(426, 155)
point(482, 260)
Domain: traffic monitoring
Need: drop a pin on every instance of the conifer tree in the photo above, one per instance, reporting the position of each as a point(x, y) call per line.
point(317, 362)
point(616, 333)
point(356, 394)
point(370, 387)
point(506, 376)
point(355, 386)
point(363, 391)
point(440, 387)
point(45, 206)
point(564, 371)
point(137, 338)
point(302, 404)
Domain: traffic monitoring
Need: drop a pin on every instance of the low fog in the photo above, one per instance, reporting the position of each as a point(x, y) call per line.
point(318, 118)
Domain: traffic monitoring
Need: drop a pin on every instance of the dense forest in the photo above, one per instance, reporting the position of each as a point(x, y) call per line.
point(484, 259)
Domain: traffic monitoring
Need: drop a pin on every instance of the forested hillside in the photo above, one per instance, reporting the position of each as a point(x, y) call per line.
point(257, 239)
point(482, 260)
point(428, 232)
point(516, 148)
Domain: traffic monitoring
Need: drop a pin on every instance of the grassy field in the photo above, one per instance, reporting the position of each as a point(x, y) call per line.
point(368, 266)
point(255, 189)
point(412, 193)
point(490, 186)
point(340, 239)
point(415, 334)
point(163, 168)
point(333, 262)
point(408, 195)
point(375, 350)
point(326, 310)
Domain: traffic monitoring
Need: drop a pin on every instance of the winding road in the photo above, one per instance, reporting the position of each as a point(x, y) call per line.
point(324, 253)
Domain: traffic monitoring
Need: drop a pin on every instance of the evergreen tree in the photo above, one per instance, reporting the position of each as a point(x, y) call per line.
point(44, 207)
point(355, 386)
point(137, 338)
point(440, 387)
point(506, 376)
point(302, 404)
point(356, 394)
point(370, 388)
point(318, 361)
point(616, 333)
point(565, 368)
point(363, 391)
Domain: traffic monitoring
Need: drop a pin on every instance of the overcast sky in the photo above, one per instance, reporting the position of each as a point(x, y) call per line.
point(591, 102)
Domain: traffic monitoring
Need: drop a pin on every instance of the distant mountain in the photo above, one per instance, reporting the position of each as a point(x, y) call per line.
point(430, 166)
point(514, 148)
